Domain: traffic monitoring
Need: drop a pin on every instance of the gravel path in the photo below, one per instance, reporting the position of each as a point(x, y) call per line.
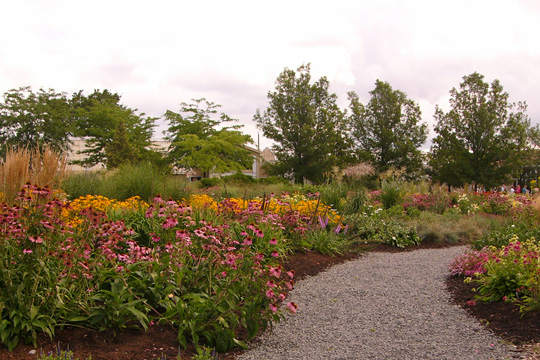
point(381, 306)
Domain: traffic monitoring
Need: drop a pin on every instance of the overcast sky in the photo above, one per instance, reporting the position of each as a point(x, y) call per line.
point(159, 53)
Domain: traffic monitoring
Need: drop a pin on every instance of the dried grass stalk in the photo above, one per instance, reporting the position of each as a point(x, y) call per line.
point(21, 165)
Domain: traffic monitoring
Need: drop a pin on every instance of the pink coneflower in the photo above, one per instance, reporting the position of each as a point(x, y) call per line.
point(275, 271)
point(273, 241)
point(289, 284)
point(273, 307)
point(37, 239)
point(275, 253)
point(270, 294)
point(292, 307)
point(27, 251)
point(271, 284)
point(290, 274)
point(281, 297)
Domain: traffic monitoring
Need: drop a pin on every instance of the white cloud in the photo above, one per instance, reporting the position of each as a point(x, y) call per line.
point(158, 54)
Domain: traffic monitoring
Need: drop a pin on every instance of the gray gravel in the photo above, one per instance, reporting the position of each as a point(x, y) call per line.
point(381, 306)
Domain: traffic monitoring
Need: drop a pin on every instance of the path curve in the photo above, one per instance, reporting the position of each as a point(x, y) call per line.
point(381, 306)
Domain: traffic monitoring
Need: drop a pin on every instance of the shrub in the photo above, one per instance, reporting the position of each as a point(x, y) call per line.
point(209, 182)
point(239, 178)
point(273, 180)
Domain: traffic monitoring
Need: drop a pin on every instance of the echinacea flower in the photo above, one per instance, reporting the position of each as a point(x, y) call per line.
point(292, 307)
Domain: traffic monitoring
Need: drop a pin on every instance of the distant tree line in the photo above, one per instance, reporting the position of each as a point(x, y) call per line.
point(482, 139)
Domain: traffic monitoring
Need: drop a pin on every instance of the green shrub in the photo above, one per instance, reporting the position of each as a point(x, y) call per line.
point(398, 234)
point(273, 180)
point(239, 178)
point(209, 182)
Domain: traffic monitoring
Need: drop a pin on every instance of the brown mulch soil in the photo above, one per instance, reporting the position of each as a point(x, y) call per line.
point(160, 341)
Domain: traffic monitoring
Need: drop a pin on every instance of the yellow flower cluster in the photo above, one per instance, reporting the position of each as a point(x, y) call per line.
point(295, 203)
point(202, 201)
point(100, 203)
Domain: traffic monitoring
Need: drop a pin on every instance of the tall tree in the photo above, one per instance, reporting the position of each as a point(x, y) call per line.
point(34, 119)
point(97, 117)
point(387, 131)
point(120, 151)
point(482, 138)
point(200, 139)
point(307, 125)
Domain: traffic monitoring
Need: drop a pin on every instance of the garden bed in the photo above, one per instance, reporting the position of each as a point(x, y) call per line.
point(160, 342)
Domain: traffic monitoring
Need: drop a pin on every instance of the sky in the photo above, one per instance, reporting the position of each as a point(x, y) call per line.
point(157, 54)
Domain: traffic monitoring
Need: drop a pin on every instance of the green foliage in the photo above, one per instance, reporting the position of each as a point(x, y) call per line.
point(274, 180)
point(101, 118)
point(330, 241)
point(399, 235)
point(391, 194)
point(482, 138)
point(450, 227)
point(58, 354)
point(129, 180)
point(198, 140)
point(209, 182)
point(355, 201)
point(115, 306)
point(503, 233)
point(119, 151)
point(32, 120)
point(239, 178)
point(334, 195)
point(176, 188)
point(387, 131)
point(82, 184)
point(307, 125)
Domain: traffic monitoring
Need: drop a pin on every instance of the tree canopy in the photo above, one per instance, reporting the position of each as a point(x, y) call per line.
point(482, 138)
point(106, 124)
point(34, 119)
point(199, 139)
point(307, 125)
point(387, 131)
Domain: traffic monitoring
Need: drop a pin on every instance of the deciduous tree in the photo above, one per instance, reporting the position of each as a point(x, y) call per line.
point(482, 138)
point(98, 117)
point(388, 131)
point(308, 127)
point(34, 119)
point(201, 139)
